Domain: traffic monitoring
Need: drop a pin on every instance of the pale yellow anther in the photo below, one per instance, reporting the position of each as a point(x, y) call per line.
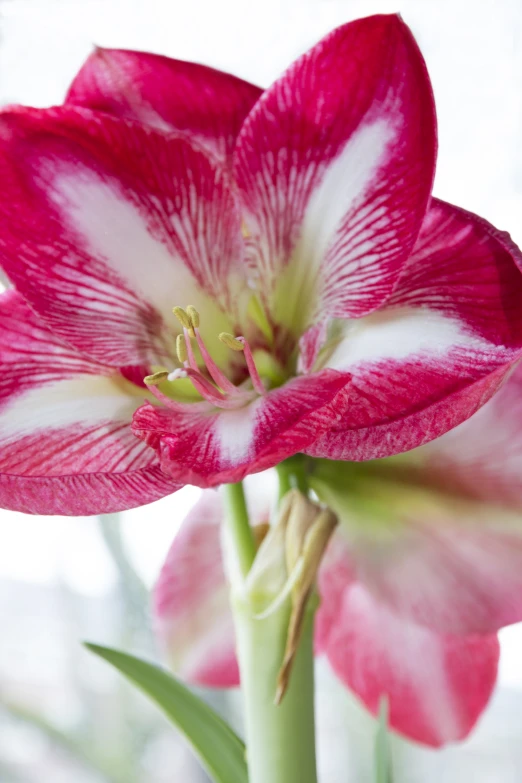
point(182, 317)
point(194, 316)
point(231, 342)
point(157, 377)
point(181, 348)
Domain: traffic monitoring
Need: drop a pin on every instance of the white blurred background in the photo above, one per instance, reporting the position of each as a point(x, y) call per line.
point(63, 716)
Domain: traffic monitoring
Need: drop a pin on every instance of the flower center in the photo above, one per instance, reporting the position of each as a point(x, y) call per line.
point(219, 390)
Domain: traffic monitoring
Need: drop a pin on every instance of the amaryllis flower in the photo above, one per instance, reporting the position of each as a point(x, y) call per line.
point(424, 568)
point(358, 318)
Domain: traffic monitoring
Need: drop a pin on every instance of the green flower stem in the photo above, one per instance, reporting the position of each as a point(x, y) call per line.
point(239, 526)
point(280, 739)
point(301, 479)
point(285, 483)
point(292, 475)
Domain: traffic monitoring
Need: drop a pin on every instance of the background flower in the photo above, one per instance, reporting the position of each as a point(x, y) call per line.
point(422, 572)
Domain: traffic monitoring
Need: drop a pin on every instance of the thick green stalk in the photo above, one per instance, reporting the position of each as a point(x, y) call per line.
point(280, 739)
point(292, 474)
point(284, 476)
point(241, 537)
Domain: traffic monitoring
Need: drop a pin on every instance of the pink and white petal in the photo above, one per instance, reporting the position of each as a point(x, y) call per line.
point(441, 346)
point(103, 222)
point(167, 94)
point(204, 446)
point(335, 164)
point(84, 494)
point(464, 267)
point(482, 457)
point(60, 413)
point(310, 344)
point(437, 685)
point(192, 615)
point(442, 561)
point(61, 417)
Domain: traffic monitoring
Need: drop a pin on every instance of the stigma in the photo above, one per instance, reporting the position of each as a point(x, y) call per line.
point(213, 385)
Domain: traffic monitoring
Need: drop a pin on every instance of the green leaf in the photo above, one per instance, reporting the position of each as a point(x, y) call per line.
point(220, 750)
point(383, 769)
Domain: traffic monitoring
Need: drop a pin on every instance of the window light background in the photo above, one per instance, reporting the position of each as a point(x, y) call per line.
point(57, 580)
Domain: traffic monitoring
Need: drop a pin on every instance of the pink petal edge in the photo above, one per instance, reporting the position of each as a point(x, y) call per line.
point(335, 164)
point(437, 685)
point(439, 349)
point(170, 95)
point(202, 446)
point(104, 221)
point(192, 616)
point(66, 445)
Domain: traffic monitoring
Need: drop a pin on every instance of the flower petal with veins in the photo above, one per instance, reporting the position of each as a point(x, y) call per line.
point(443, 561)
point(170, 95)
point(438, 349)
point(207, 447)
point(66, 446)
point(335, 164)
point(482, 457)
point(437, 685)
point(124, 223)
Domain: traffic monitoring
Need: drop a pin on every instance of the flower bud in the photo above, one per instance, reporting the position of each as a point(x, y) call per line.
point(286, 567)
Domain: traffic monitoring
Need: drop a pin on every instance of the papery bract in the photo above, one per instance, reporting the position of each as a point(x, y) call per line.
point(358, 317)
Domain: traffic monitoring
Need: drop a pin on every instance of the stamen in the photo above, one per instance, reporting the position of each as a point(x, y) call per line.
point(252, 369)
point(209, 392)
point(182, 317)
point(190, 353)
point(215, 373)
point(181, 348)
point(230, 341)
point(151, 382)
point(224, 394)
point(190, 320)
point(204, 387)
point(201, 384)
point(194, 316)
point(240, 344)
point(155, 378)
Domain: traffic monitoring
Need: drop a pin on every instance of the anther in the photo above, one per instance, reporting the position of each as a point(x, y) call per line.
point(193, 316)
point(182, 317)
point(240, 344)
point(155, 378)
point(231, 342)
point(181, 348)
